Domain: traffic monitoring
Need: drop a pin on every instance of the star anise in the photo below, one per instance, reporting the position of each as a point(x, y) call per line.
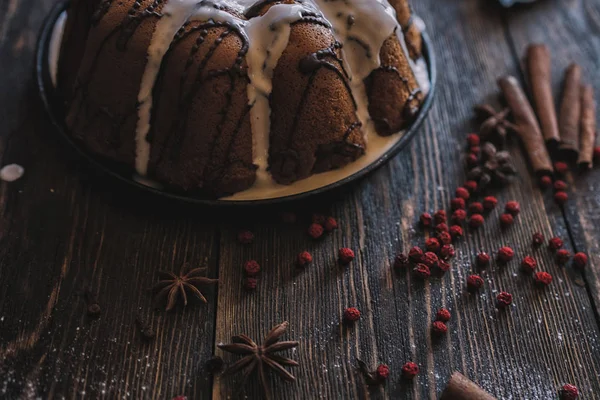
point(259, 358)
point(495, 124)
point(174, 286)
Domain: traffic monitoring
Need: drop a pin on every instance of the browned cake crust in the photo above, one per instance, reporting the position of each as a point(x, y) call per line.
point(412, 35)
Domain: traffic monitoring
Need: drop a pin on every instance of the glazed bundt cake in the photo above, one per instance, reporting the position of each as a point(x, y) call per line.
point(220, 95)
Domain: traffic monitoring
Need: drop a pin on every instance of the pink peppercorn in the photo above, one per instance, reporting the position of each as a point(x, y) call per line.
point(444, 238)
point(562, 256)
point(315, 230)
point(542, 278)
point(472, 160)
point(528, 264)
point(473, 139)
point(476, 221)
point(304, 259)
point(561, 168)
point(545, 181)
point(443, 265)
point(426, 220)
point(506, 220)
point(490, 202)
point(538, 239)
point(432, 244)
point(415, 254)
point(410, 370)
point(401, 261)
point(505, 254)
point(346, 256)
point(179, 398)
point(475, 150)
point(462, 193)
point(482, 260)
point(440, 217)
point(474, 283)
point(422, 271)
point(459, 216)
point(471, 186)
point(330, 224)
point(457, 203)
point(441, 228)
point(597, 153)
point(382, 372)
point(443, 315)
point(560, 185)
point(245, 237)
point(250, 283)
point(351, 314)
point(318, 219)
point(456, 231)
point(439, 328)
point(568, 391)
point(251, 267)
point(561, 198)
point(476, 208)
point(430, 259)
point(513, 208)
point(555, 243)
point(580, 260)
point(503, 300)
point(447, 251)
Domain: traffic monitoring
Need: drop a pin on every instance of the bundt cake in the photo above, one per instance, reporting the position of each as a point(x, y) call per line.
point(221, 95)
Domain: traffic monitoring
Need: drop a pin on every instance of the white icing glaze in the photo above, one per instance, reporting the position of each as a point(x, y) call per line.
point(11, 172)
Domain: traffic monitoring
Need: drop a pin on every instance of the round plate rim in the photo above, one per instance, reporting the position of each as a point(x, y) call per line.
point(45, 86)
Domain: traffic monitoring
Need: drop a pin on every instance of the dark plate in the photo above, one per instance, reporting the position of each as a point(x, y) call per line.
point(52, 104)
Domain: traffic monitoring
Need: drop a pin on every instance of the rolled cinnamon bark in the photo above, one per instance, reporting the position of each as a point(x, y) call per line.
point(528, 127)
point(461, 388)
point(588, 128)
point(540, 79)
point(570, 113)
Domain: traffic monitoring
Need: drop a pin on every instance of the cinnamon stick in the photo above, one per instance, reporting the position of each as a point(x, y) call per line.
point(527, 125)
point(570, 113)
point(540, 78)
point(461, 388)
point(588, 128)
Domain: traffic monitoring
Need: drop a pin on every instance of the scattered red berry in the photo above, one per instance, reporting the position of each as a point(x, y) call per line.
point(444, 238)
point(415, 254)
point(459, 217)
point(245, 237)
point(440, 217)
point(250, 283)
point(430, 259)
point(475, 150)
point(472, 160)
point(476, 221)
point(476, 208)
point(561, 198)
point(330, 224)
point(503, 300)
point(561, 168)
point(401, 261)
point(482, 260)
point(410, 370)
point(432, 244)
point(251, 267)
point(443, 315)
point(351, 314)
point(473, 139)
point(471, 186)
point(542, 278)
point(538, 239)
point(580, 260)
point(529, 264)
point(346, 256)
point(555, 243)
point(505, 254)
point(304, 259)
point(462, 193)
point(441, 228)
point(447, 251)
point(426, 220)
point(315, 230)
point(422, 271)
point(569, 392)
point(560, 186)
point(439, 328)
point(490, 202)
point(506, 220)
point(513, 208)
point(545, 181)
point(318, 219)
point(443, 265)
point(456, 231)
point(382, 372)
point(457, 204)
point(180, 398)
point(597, 153)
point(474, 283)
point(562, 256)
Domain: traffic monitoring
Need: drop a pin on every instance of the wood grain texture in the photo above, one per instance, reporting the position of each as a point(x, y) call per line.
point(64, 229)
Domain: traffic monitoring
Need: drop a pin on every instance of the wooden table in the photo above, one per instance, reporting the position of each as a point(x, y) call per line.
point(64, 229)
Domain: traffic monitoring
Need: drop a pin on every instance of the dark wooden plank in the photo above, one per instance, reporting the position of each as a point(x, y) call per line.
point(64, 230)
point(574, 38)
point(548, 338)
